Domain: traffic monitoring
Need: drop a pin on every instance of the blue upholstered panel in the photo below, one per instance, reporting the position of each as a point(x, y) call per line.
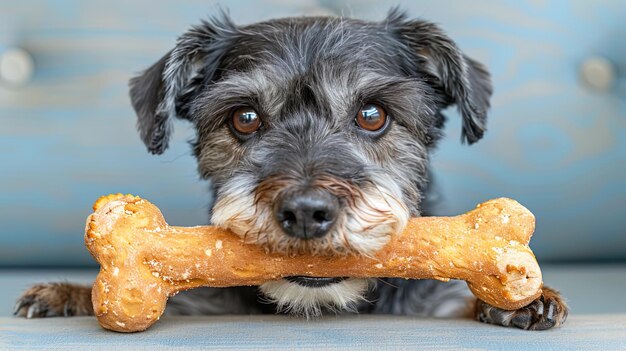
point(68, 136)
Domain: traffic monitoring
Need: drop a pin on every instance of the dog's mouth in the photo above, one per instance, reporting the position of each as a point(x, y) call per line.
point(313, 282)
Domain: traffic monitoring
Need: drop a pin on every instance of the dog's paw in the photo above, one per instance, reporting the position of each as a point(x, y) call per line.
point(54, 299)
point(548, 311)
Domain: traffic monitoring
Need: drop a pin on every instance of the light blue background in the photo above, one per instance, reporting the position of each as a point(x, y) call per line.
point(553, 144)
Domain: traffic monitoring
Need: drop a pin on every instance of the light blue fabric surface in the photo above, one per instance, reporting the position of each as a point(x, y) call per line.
point(69, 136)
point(592, 332)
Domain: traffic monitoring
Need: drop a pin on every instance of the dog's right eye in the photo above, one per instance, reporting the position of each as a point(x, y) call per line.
point(246, 120)
point(371, 118)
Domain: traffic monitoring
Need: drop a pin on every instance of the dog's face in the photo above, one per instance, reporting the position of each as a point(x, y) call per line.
point(315, 132)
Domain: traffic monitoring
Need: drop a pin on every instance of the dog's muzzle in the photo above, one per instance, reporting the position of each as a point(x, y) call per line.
point(313, 282)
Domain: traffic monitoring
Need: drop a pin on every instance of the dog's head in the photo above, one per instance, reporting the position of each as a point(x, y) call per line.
point(315, 132)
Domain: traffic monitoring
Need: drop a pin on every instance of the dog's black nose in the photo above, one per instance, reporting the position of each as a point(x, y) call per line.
point(307, 214)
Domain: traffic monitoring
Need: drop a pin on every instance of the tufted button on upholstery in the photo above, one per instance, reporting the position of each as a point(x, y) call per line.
point(16, 67)
point(598, 73)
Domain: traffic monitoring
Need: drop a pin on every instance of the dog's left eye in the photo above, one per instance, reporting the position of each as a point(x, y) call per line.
point(371, 117)
point(246, 120)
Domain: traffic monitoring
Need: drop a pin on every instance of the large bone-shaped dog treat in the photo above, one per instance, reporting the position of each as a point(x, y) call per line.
point(144, 261)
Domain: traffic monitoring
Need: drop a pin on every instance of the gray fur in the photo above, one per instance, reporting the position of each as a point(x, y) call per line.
point(307, 78)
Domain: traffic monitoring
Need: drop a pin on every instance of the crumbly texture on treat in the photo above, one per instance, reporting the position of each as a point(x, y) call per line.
point(144, 260)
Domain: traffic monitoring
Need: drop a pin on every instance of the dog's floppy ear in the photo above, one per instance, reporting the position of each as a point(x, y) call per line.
point(157, 92)
point(464, 82)
point(146, 94)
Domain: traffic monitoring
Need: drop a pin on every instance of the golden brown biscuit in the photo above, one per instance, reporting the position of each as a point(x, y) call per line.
point(144, 260)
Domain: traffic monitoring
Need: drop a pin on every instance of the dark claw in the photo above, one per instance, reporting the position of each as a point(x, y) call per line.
point(67, 310)
point(536, 306)
point(21, 303)
point(32, 310)
point(551, 310)
point(522, 319)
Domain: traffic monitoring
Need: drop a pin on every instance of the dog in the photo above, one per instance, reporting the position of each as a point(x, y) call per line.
point(315, 133)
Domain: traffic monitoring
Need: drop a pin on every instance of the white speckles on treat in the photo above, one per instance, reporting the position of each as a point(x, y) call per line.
point(157, 230)
point(208, 252)
point(218, 244)
point(197, 265)
point(378, 265)
point(116, 271)
point(156, 274)
point(186, 274)
point(498, 237)
point(121, 324)
point(498, 250)
point(109, 214)
point(154, 264)
point(505, 218)
point(476, 225)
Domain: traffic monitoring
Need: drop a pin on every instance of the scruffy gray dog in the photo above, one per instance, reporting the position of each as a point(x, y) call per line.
point(315, 133)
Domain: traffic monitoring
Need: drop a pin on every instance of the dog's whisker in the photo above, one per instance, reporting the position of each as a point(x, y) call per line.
point(387, 283)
